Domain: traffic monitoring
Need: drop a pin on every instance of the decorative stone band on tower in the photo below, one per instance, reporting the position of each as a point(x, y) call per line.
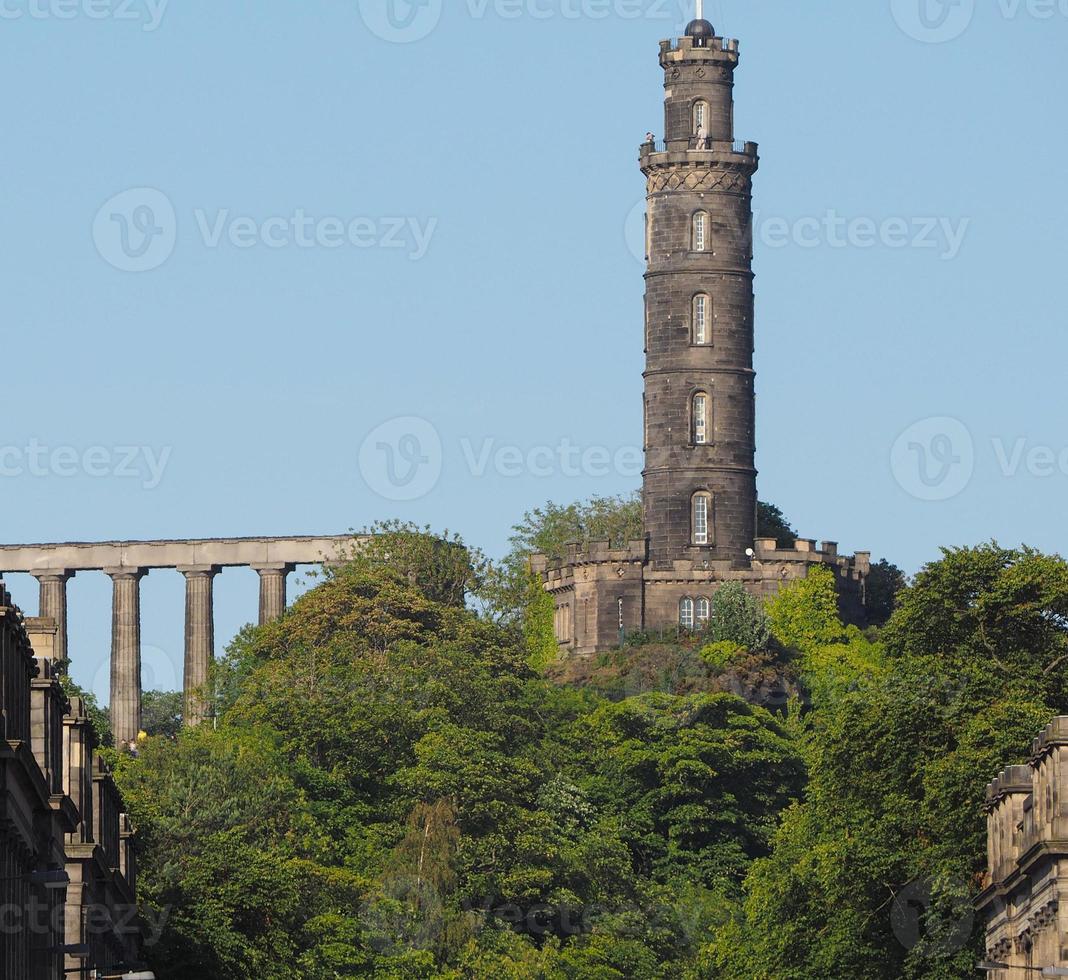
point(699, 491)
point(127, 562)
point(700, 479)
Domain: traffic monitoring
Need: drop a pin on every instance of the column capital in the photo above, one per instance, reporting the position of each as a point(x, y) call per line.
point(200, 571)
point(126, 572)
point(278, 568)
point(53, 574)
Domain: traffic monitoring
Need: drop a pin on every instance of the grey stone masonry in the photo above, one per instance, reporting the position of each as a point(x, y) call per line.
point(699, 489)
point(699, 216)
point(67, 868)
point(1025, 901)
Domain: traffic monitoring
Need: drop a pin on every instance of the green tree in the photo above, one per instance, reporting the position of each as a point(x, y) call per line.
point(161, 713)
point(898, 760)
point(804, 615)
point(549, 529)
point(885, 583)
point(772, 523)
point(738, 617)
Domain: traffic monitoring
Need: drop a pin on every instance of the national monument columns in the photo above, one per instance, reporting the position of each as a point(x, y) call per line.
point(199, 638)
point(272, 591)
point(53, 585)
point(126, 653)
point(199, 561)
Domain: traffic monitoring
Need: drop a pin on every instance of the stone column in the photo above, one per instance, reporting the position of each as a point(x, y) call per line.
point(126, 653)
point(53, 583)
point(272, 591)
point(199, 638)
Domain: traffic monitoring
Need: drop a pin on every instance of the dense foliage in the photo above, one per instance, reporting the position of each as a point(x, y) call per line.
point(396, 788)
point(392, 791)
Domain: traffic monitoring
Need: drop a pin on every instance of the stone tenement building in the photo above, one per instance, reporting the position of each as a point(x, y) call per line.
point(1026, 899)
point(127, 563)
point(67, 870)
point(699, 491)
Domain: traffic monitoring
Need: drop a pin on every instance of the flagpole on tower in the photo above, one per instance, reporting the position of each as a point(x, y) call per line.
point(700, 9)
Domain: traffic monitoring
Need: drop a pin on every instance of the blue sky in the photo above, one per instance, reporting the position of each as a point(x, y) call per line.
point(436, 228)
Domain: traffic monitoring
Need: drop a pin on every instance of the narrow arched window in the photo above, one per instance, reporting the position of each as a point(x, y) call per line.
point(702, 319)
point(700, 419)
point(686, 614)
point(702, 517)
point(700, 118)
point(700, 231)
point(704, 611)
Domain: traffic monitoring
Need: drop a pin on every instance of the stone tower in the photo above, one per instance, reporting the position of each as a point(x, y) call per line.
point(700, 496)
point(699, 492)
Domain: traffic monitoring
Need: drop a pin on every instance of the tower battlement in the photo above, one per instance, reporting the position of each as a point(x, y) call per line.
point(681, 50)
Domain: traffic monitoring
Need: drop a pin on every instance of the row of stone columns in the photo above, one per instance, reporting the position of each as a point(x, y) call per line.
point(126, 633)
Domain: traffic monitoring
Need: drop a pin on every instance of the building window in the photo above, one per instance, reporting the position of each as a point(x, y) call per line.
point(700, 419)
point(686, 614)
point(704, 611)
point(702, 319)
point(702, 507)
point(700, 117)
point(700, 231)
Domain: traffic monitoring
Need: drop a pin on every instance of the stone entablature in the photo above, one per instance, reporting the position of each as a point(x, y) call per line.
point(1026, 898)
point(40, 559)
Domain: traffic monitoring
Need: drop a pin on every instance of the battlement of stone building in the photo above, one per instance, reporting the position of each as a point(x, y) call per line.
point(681, 48)
point(602, 551)
point(1053, 735)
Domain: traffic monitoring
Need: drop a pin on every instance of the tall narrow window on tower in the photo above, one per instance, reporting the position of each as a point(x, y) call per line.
point(700, 231)
point(700, 118)
point(700, 419)
point(702, 319)
point(686, 614)
point(702, 506)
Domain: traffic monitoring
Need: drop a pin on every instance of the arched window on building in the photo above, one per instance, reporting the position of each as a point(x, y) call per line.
point(700, 231)
point(686, 614)
point(702, 319)
point(700, 118)
point(704, 611)
point(701, 413)
point(702, 517)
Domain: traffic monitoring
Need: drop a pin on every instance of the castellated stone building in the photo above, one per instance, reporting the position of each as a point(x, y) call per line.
point(67, 869)
point(699, 491)
point(1026, 899)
